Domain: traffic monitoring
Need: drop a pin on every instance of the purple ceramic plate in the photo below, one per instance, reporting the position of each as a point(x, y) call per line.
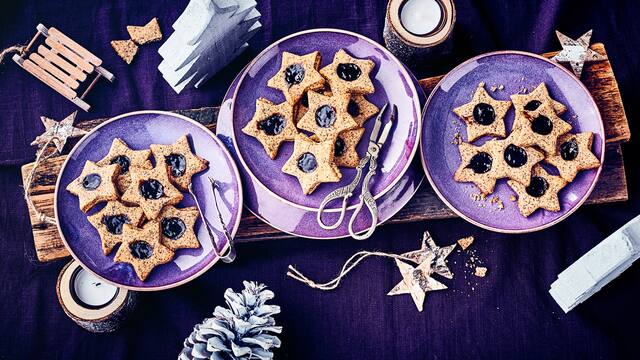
point(139, 130)
point(392, 82)
point(513, 69)
point(298, 221)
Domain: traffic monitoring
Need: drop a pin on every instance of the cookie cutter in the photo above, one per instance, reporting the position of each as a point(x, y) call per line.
point(230, 254)
point(376, 140)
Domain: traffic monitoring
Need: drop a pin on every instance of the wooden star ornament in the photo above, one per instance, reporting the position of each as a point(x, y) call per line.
point(429, 251)
point(577, 52)
point(57, 132)
point(417, 281)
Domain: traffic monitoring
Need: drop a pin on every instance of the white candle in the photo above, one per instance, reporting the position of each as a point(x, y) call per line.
point(421, 17)
point(91, 290)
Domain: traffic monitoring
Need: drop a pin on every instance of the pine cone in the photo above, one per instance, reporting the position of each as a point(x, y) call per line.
point(244, 330)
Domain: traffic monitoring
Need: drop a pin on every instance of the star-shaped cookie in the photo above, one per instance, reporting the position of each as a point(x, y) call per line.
point(142, 249)
point(327, 116)
point(95, 184)
point(531, 102)
point(347, 74)
point(478, 165)
point(416, 281)
point(345, 153)
point(542, 192)
point(181, 163)
point(483, 115)
point(152, 190)
point(177, 225)
point(542, 128)
point(574, 154)
point(272, 125)
point(512, 161)
point(434, 253)
point(312, 163)
point(297, 75)
point(121, 154)
point(110, 220)
point(361, 109)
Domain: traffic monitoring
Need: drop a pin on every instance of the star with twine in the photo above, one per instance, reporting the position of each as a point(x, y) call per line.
point(416, 280)
point(576, 52)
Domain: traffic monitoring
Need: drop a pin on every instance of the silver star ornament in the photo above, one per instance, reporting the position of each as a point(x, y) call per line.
point(433, 253)
point(417, 281)
point(576, 52)
point(57, 132)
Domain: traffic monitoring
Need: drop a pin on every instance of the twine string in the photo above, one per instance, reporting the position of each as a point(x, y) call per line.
point(11, 49)
point(41, 156)
point(351, 263)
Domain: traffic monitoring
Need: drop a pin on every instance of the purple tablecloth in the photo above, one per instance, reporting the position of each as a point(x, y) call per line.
point(508, 314)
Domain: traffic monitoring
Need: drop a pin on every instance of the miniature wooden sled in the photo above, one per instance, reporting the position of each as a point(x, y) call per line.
point(63, 65)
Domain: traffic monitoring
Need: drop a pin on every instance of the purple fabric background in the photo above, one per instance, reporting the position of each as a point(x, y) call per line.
point(508, 314)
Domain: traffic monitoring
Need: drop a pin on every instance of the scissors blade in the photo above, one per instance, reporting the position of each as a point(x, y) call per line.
point(376, 126)
point(387, 127)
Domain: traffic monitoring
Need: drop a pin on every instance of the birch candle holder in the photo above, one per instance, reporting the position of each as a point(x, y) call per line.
point(414, 28)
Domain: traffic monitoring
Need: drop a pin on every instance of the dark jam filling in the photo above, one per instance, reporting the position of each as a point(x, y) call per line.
point(123, 161)
point(273, 125)
point(325, 116)
point(177, 163)
point(114, 223)
point(304, 100)
point(532, 105)
point(515, 156)
point(481, 163)
point(339, 147)
point(348, 71)
point(542, 125)
point(173, 227)
point(307, 162)
point(537, 187)
point(569, 150)
point(141, 249)
point(151, 189)
point(484, 114)
point(294, 74)
point(353, 109)
point(91, 181)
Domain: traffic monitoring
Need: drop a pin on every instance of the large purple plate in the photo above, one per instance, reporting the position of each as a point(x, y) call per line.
point(513, 69)
point(139, 130)
point(302, 222)
point(392, 82)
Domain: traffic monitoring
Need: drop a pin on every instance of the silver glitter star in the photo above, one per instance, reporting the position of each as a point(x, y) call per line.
point(417, 281)
point(57, 132)
point(576, 52)
point(437, 254)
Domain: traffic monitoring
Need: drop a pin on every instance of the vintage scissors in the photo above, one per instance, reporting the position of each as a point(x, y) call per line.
point(376, 140)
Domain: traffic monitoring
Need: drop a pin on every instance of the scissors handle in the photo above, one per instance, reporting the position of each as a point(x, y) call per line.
point(366, 199)
point(345, 193)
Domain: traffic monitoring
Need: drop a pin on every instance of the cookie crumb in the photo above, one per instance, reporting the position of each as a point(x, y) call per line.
point(500, 87)
point(126, 49)
point(465, 242)
point(480, 271)
point(494, 88)
point(512, 198)
point(457, 138)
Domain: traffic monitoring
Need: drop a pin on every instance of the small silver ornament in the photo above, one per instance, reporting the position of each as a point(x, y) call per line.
point(439, 257)
point(57, 132)
point(576, 52)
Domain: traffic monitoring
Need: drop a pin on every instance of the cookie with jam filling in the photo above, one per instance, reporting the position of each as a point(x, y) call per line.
point(483, 115)
point(142, 249)
point(181, 163)
point(345, 153)
point(359, 108)
point(478, 165)
point(312, 163)
point(512, 161)
point(541, 193)
point(327, 116)
point(297, 75)
point(272, 125)
point(348, 74)
point(176, 226)
point(109, 222)
point(95, 184)
point(120, 153)
point(540, 128)
point(532, 101)
point(573, 154)
point(152, 190)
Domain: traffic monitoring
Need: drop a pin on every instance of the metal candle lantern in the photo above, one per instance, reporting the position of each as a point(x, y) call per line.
point(414, 28)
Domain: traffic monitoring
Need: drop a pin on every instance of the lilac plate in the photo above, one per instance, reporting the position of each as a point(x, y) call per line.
point(392, 82)
point(302, 222)
point(513, 69)
point(139, 130)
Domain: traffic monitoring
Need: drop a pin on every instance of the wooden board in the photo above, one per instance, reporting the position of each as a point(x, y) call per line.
point(612, 186)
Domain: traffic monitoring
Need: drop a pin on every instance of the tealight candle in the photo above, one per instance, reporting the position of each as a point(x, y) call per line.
point(91, 291)
point(421, 17)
